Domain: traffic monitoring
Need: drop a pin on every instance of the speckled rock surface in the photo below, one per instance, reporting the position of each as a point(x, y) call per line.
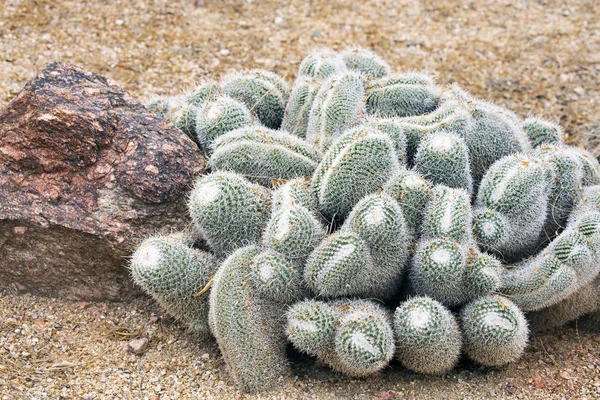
point(85, 173)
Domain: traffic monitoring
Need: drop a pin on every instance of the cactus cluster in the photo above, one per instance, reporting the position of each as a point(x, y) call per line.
point(364, 215)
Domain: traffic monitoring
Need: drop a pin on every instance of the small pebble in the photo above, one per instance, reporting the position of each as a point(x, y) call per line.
point(137, 346)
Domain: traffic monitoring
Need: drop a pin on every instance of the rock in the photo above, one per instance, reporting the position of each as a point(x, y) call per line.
point(137, 346)
point(86, 173)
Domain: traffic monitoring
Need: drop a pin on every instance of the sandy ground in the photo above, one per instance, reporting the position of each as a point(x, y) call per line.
point(535, 57)
point(76, 350)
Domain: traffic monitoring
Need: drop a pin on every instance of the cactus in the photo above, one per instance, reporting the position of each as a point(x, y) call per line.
point(566, 186)
point(441, 255)
point(567, 264)
point(275, 278)
point(496, 132)
point(443, 158)
point(591, 169)
point(217, 117)
point(592, 139)
point(228, 211)
point(449, 117)
point(248, 328)
point(176, 110)
point(264, 155)
point(542, 133)
point(484, 274)
point(353, 337)
point(334, 267)
point(394, 130)
point(330, 195)
point(321, 64)
point(580, 303)
point(203, 92)
point(448, 265)
point(401, 96)
point(264, 93)
point(494, 331)
point(412, 192)
point(172, 272)
point(358, 163)
point(427, 336)
point(294, 231)
point(438, 270)
point(297, 111)
point(295, 192)
point(364, 340)
point(511, 206)
point(311, 326)
point(366, 62)
point(447, 215)
point(366, 257)
point(338, 105)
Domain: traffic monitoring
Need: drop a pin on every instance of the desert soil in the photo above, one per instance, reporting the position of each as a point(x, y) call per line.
point(535, 57)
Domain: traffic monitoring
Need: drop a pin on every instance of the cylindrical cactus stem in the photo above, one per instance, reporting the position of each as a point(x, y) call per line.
point(568, 263)
point(494, 331)
point(321, 64)
point(176, 110)
point(217, 117)
point(228, 211)
point(248, 328)
point(443, 158)
point(203, 92)
point(295, 192)
point(565, 187)
point(394, 130)
point(364, 339)
point(339, 105)
point(448, 117)
point(586, 300)
point(276, 278)
point(172, 272)
point(297, 111)
point(438, 270)
point(542, 133)
point(412, 192)
point(294, 231)
point(517, 188)
point(311, 326)
point(333, 269)
point(591, 168)
point(378, 220)
point(428, 340)
point(448, 215)
point(483, 275)
point(497, 132)
point(264, 155)
point(354, 337)
point(366, 62)
point(264, 93)
point(358, 163)
point(401, 96)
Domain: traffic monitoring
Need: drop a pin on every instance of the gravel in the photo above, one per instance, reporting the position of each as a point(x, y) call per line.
point(539, 58)
point(53, 349)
